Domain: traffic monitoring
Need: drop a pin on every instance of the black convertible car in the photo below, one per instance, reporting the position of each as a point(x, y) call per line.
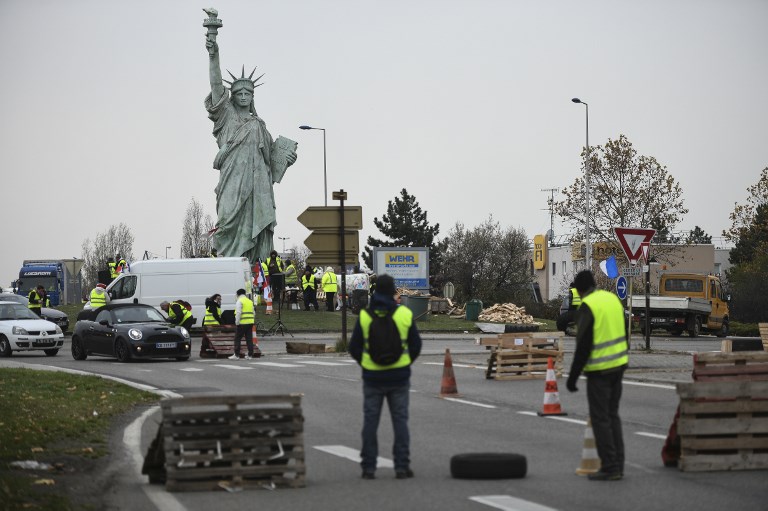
point(128, 331)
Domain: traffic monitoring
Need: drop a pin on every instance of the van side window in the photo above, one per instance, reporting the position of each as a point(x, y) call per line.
point(125, 288)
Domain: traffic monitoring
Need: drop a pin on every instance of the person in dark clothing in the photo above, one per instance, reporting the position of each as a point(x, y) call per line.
point(602, 352)
point(212, 310)
point(390, 382)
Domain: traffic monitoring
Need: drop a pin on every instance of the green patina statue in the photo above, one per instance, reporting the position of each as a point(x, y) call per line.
point(249, 161)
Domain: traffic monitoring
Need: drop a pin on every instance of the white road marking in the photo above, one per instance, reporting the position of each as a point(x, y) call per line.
point(228, 366)
point(143, 370)
point(342, 451)
point(464, 401)
point(192, 369)
point(319, 363)
point(470, 366)
point(651, 435)
point(653, 385)
point(274, 364)
point(555, 417)
point(508, 503)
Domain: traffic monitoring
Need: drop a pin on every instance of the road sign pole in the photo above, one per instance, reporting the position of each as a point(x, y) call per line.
point(629, 299)
point(342, 259)
point(648, 309)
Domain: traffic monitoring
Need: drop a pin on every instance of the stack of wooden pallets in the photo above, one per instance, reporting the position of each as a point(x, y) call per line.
point(523, 356)
point(219, 341)
point(233, 442)
point(723, 423)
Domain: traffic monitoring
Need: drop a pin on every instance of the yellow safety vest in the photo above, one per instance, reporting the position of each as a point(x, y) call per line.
point(278, 263)
point(576, 298)
point(265, 269)
point(185, 315)
point(112, 269)
point(293, 278)
point(403, 318)
point(38, 298)
point(209, 319)
point(98, 299)
point(609, 348)
point(247, 316)
point(308, 282)
point(329, 282)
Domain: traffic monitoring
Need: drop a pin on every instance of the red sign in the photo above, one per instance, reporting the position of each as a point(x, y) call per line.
point(632, 240)
point(645, 247)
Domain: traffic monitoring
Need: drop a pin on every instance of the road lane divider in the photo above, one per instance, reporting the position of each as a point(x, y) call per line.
point(236, 368)
point(509, 503)
point(554, 417)
point(464, 401)
point(651, 435)
point(342, 451)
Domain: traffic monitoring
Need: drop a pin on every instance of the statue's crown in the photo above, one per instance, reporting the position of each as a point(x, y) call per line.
point(243, 82)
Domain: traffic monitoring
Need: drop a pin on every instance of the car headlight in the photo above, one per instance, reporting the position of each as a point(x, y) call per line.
point(184, 332)
point(135, 334)
point(58, 330)
point(17, 330)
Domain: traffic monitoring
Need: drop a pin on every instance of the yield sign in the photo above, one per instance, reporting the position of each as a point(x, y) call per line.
point(632, 241)
point(645, 247)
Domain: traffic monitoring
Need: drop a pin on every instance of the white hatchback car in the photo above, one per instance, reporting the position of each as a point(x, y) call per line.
point(22, 330)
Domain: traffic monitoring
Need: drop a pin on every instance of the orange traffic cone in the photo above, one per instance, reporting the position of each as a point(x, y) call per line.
point(256, 349)
point(448, 385)
point(590, 462)
point(551, 395)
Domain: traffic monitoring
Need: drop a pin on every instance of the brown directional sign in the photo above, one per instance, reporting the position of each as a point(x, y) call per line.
point(320, 217)
point(331, 258)
point(330, 241)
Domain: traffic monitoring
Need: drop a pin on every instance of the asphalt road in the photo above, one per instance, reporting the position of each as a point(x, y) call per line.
point(489, 416)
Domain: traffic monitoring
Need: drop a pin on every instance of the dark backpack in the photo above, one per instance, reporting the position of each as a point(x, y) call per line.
point(384, 344)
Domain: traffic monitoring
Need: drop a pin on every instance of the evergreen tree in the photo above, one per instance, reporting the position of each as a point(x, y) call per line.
point(405, 225)
point(698, 237)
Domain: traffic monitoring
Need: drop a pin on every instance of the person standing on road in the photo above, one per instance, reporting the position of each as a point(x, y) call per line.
point(602, 353)
point(36, 300)
point(390, 382)
point(244, 319)
point(99, 296)
point(329, 287)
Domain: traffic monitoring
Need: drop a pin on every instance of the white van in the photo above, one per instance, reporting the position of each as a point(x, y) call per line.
point(157, 280)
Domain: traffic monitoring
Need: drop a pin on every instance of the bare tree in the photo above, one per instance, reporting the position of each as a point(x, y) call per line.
point(488, 262)
point(627, 190)
point(195, 241)
point(117, 239)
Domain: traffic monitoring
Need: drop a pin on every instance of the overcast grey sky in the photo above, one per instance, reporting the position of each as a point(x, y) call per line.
point(466, 103)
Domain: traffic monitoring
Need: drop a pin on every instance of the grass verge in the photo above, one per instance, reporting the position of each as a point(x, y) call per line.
point(59, 419)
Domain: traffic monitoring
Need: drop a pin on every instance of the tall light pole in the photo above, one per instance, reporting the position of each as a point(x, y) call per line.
point(281, 238)
point(325, 173)
point(586, 189)
point(166, 251)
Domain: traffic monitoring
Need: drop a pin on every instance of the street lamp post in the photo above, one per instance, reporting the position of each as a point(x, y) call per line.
point(586, 189)
point(166, 251)
point(281, 238)
point(325, 173)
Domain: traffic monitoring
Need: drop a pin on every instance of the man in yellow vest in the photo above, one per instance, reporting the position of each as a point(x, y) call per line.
point(178, 314)
point(308, 286)
point(99, 296)
point(245, 316)
point(37, 299)
point(329, 287)
point(569, 316)
point(390, 381)
point(602, 352)
point(112, 265)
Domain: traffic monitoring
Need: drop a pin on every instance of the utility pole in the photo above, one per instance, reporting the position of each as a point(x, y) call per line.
point(551, 209)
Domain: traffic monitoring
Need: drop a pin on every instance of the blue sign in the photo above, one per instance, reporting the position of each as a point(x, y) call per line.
point(621, 287)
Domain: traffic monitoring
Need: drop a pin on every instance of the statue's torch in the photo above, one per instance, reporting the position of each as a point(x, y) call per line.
point(212, 23)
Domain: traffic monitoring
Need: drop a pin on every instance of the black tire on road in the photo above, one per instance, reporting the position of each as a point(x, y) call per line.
point(695, 330)
point(78, 351)
point(51, 352)
point(493, 465)
point(122, 351)
point(724, 329)
point(5, 346)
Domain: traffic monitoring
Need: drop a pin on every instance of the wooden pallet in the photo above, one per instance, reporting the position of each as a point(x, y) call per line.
point(233, 442)
point(764, 334)
point(523, 356)
point(723, 425)
point(219, 341)
point(743, 365)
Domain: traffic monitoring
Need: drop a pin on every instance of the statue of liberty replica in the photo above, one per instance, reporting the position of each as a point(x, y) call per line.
point(249, 161)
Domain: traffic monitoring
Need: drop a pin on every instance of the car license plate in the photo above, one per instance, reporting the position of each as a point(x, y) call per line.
point(166, 345)
point(657, 320)
point(44, 342)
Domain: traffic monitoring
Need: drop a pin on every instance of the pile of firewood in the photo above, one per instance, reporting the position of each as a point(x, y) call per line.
point(505, 313)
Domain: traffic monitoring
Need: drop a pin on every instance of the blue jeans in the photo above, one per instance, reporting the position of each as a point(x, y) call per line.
point(397, 401)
